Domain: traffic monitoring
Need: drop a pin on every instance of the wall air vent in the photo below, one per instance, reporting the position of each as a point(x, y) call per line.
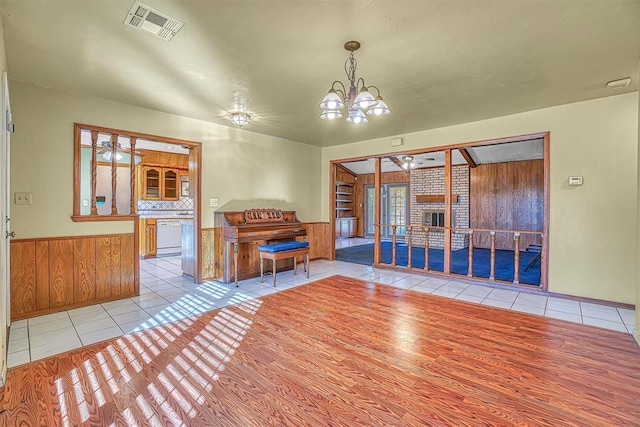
point(152, 21)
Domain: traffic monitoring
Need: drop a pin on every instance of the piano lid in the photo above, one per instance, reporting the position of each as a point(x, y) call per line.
point(255, 217)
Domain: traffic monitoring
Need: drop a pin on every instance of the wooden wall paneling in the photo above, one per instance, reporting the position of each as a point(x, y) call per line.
point(61, 272)
point(23, 278)
point(507, 196)
point(84, 272)
point(218, 258)
point(208, 253)
point(115, 267)
point(127, 265)
point(165, 159)
point(505, 193)
point(319, 238)
point(103, 267)
point(42, 275)
point(344, 176)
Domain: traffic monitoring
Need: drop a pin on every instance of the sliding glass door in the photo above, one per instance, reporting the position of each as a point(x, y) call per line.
point(395, 209)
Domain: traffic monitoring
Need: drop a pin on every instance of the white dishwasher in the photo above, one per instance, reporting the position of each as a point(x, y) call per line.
point(169, 238)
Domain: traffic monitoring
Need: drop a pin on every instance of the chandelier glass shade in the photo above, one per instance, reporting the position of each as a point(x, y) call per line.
point(240, 118)
point(358, 99)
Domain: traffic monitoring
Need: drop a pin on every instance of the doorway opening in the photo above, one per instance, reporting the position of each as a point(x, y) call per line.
point(477, 210)
point(394, 209)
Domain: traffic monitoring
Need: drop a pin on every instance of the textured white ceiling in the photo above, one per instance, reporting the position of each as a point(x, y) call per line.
point(436, 63)
point(496, 153)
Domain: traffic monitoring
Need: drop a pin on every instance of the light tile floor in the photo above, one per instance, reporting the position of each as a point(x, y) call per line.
point(165, 296)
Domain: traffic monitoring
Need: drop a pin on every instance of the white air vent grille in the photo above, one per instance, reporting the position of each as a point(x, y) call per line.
point(152, 21)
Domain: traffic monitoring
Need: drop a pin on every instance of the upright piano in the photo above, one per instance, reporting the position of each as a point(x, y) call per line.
point(244, 231)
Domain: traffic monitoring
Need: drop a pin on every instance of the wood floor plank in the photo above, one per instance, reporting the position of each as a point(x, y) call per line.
point(339, 352)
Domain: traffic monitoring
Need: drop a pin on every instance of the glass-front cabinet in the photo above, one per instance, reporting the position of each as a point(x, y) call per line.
point(152, 184)
point(170, 181)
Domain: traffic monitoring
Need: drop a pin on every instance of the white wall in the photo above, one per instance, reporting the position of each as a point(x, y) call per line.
point(4, 288)
point(240, 168)
point(593, 227)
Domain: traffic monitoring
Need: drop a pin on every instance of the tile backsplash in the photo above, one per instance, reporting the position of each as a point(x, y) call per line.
point(184, 204)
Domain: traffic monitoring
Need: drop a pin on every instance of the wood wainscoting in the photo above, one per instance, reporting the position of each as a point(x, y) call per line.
point(56, 274)
point(318, 236)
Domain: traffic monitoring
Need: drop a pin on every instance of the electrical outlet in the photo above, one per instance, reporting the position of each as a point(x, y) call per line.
point(213, 203)
point(85, 203)
point(22, 198)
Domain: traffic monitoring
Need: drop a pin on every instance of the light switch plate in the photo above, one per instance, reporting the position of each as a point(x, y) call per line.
point(213, 203)
point(575, 180)
point(22, 198)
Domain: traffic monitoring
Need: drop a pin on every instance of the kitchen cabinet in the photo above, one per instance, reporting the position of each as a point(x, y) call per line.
point(151, 183)
point(346, 227)
point(170, 184)
point(148, 237)
point(160, 183)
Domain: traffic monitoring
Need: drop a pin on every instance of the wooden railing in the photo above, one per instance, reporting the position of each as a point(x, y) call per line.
point(411, 229)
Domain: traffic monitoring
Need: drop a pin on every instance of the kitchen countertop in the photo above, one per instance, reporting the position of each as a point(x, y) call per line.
point(185, 217)
point(165, 214)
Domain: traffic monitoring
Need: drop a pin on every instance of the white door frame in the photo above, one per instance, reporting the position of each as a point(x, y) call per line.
point(5, 225)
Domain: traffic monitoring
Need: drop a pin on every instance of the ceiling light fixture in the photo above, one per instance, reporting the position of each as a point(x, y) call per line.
point(240, 118)
point(358, 99)
point(107, 154)
point(408, 163)
point(239, 115)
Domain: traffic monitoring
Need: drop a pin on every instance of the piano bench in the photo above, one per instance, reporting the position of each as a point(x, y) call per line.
point(284, 250)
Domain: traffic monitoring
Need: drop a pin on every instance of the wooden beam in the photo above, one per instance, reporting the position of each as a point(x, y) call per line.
point(467, 157)
point(397, 162)
point(447, 211)
point(133, 208)
point(376, 217)
point(344, 169)
point(114, 172)
point(94, 173)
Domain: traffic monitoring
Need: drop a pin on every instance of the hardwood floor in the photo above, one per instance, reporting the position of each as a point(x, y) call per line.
point(339, 352)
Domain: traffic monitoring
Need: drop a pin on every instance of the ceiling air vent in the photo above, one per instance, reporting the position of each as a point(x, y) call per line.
point(152, 21)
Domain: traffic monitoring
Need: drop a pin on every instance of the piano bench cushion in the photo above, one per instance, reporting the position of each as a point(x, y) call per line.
point(281, 247)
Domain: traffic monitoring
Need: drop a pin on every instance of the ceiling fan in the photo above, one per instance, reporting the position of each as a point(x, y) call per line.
point(106, 150)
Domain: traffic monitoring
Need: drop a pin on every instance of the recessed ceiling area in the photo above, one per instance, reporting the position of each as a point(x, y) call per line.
point(484, 154)
point(436, 63)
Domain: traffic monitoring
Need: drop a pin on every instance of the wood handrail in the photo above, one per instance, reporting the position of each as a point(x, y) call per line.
point(470, 231)
point(466, 230)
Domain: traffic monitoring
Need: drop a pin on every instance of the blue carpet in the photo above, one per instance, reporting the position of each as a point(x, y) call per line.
point(363, 254)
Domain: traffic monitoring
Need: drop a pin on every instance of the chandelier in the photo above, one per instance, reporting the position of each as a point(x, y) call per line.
point(358, 99)
point(239, 116)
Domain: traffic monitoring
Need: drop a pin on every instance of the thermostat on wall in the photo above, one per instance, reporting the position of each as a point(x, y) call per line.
point(575, 180)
